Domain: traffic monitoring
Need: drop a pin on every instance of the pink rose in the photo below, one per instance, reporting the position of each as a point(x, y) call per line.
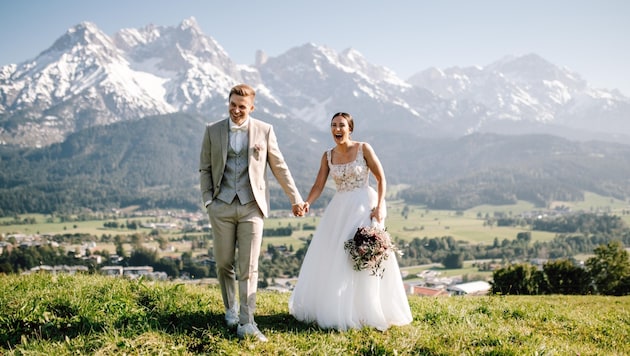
point(257, 148)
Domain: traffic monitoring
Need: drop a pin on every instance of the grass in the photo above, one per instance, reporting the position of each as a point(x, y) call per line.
point(44, 314)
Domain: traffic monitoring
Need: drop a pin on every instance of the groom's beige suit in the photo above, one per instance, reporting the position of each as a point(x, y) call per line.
point(235, 190)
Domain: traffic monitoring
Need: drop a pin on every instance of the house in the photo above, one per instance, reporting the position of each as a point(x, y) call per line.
point(428, 291)
point(112, 270)
point(133, 272)
point(137, 271)
point(470, 288)
point(58, 269)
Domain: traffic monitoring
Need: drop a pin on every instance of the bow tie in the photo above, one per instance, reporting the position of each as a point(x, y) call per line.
point(238, 128)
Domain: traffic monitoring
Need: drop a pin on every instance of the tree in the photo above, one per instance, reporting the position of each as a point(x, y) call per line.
point(525, 237)
point(143, 257)
point(162, 242)
point(453, 261)
point(518, 279)
point(564, 277)
point(610, 269)
point(120, 250)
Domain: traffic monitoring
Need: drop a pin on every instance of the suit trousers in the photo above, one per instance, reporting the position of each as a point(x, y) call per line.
point(237, 238)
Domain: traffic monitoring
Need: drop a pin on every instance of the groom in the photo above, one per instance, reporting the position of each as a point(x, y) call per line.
point(234, 157)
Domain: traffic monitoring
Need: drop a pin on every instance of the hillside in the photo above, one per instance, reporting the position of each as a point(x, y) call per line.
point(152, 162)
point(99, 122)
point(63, 315)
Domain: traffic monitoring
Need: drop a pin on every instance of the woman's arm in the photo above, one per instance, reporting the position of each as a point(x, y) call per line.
point(377, 170)
point(320, 183)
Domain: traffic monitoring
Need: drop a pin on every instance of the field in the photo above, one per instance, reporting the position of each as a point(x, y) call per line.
point(468, 226)
point(42, 314)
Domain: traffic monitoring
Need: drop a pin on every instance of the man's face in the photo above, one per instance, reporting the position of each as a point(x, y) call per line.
point(240, 107)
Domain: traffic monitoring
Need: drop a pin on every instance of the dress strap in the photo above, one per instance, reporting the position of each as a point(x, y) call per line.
point(329, 157)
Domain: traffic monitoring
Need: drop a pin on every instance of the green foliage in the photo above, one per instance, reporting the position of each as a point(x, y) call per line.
point(96, 315)
point(285, 262)
point(498, 170)
point(278, 231)
point(610, 269)
point(24, 258)
point(564, 277)
point(588, 223)
point(129, 163)
point(152, 163)
point(518, 279)
point(592, 230)
point(453, 260)
point(142, 257)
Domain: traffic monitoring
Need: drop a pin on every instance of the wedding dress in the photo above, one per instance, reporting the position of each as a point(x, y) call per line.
point(329, 291)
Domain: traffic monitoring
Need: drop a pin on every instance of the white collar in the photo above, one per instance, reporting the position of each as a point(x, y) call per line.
point(242, 126)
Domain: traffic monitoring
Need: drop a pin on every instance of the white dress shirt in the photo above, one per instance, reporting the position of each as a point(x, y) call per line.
point(238, 135)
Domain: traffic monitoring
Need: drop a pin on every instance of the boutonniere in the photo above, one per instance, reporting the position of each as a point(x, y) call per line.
point(257, 148)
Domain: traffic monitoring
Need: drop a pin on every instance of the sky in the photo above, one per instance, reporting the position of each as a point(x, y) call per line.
point(589, 37)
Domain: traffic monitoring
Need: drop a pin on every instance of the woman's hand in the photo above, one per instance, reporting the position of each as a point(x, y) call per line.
point(377, 214)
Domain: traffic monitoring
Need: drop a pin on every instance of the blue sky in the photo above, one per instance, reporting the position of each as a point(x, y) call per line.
point(591, 38)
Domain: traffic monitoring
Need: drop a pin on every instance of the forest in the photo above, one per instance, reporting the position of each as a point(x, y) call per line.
point(152, 163)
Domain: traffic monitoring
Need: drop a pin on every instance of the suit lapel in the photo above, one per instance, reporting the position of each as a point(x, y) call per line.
point(225, 141)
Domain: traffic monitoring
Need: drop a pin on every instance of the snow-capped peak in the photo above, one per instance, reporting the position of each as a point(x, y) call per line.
point(87, 78)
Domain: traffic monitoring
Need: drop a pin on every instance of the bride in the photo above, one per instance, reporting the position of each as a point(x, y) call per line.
point(329, 291)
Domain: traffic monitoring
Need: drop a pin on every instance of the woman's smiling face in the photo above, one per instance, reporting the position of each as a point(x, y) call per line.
point(340, 129)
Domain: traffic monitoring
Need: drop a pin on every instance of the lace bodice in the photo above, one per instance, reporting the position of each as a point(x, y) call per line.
point(351, 175)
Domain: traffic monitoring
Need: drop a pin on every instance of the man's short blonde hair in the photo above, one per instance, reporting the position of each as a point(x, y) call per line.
point(243, 90)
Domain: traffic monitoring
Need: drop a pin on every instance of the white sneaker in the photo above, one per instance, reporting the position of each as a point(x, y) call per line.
point(250, 329)
point(231, 317)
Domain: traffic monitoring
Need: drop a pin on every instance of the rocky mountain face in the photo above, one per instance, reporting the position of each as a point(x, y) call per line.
point(528, 94)
point(87, 78)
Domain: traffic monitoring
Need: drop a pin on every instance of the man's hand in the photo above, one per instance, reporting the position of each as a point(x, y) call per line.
point(299, 209)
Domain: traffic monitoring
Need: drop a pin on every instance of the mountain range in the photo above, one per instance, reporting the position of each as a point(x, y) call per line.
point(168, 78)
point(88, 78)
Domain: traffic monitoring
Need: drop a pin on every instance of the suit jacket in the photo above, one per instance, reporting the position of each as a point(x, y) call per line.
point(263, 152)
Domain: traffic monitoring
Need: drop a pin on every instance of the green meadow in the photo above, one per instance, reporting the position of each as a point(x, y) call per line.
point(43, 314)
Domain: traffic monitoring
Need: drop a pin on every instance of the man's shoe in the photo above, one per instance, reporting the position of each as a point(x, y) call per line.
point(250, 329)
point(231, 317)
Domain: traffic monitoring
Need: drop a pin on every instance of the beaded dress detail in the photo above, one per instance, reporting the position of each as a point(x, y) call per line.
point(349, 176)
point(329, 292)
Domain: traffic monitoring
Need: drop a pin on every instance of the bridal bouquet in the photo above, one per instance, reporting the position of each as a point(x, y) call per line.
point(369, 247)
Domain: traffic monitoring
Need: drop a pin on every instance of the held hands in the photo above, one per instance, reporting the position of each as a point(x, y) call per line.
point(300, 209)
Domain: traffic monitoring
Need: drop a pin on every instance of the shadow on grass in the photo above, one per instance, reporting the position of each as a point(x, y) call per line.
point(193, 328)
point(285, 322)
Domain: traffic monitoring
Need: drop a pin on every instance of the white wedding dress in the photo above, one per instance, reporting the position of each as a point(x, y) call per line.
point(329, 291)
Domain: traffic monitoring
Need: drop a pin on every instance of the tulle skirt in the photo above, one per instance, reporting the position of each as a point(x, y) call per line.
point(329, 291)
